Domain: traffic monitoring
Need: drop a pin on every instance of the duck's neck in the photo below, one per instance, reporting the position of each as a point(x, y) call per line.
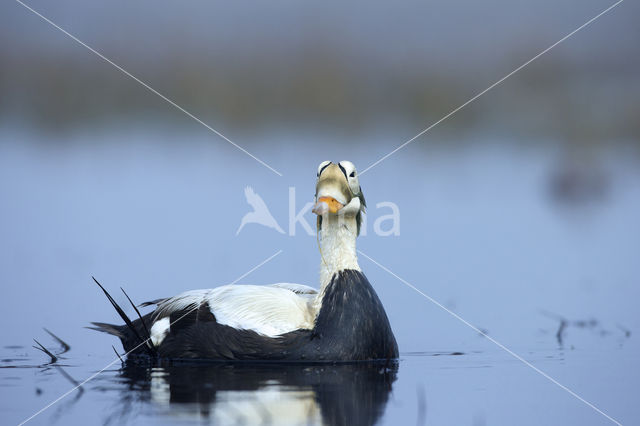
point(337, 238)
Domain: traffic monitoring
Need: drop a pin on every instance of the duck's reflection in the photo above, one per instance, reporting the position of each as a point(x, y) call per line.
point(354, 394)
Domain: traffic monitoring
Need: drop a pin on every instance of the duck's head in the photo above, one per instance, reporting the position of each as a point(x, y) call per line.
point(338, 192)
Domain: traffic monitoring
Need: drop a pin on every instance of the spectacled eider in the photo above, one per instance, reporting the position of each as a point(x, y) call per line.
point(343, 321)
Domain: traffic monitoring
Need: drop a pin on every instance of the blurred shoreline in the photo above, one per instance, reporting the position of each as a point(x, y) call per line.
point(53, 94)
point(343, 68)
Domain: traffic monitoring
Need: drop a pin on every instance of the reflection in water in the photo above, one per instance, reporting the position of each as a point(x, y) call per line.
point(266, 393)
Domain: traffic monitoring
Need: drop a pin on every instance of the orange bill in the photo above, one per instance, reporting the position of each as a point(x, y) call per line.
point(334, 205)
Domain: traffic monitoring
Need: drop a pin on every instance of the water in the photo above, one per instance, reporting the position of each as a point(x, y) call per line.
point(538, 254)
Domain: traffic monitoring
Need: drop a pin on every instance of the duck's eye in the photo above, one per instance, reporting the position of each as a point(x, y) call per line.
point(353, 174)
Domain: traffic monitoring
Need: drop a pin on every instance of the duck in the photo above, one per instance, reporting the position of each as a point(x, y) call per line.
point(343, 320)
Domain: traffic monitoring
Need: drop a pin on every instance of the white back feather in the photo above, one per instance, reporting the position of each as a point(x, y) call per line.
point(269, 310)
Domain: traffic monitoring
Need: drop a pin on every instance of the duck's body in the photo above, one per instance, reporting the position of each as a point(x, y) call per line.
point(351, 325)
point(343, 321)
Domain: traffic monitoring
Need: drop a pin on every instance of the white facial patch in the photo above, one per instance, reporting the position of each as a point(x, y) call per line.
point(352, 176)
point(322, 166)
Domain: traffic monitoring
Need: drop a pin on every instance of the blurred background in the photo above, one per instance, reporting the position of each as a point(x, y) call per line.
point(338, 67)
point(519, 213)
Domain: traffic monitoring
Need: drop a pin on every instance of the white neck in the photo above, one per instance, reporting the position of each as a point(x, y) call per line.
point(337, 239)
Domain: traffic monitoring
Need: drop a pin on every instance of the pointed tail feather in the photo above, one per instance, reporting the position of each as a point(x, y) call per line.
point(135, 308)
point(121, 331)
point(116, 330)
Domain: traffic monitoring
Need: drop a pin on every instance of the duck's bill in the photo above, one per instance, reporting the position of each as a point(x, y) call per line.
point(327, 205)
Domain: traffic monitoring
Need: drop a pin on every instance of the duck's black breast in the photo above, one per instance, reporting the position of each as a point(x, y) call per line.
point(351, 325)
